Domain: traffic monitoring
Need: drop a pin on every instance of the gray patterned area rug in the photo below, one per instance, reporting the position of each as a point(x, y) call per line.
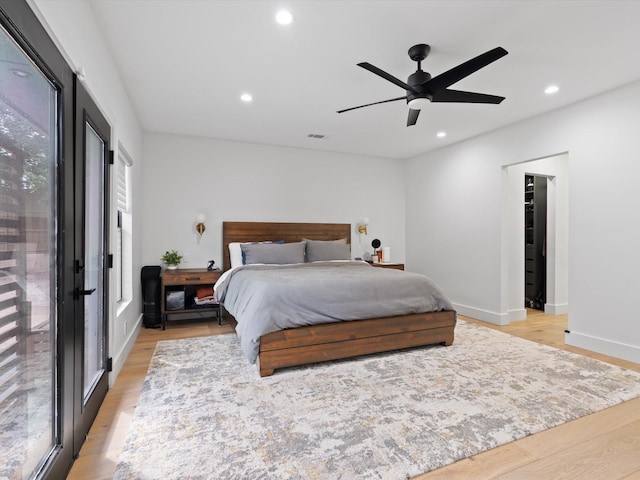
point(204, 413)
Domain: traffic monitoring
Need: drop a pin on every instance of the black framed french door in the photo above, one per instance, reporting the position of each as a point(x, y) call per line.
point(54, 147)
point(92, 159)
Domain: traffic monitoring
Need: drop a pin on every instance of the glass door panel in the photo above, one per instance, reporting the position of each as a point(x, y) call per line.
point(28, 251)
point(94, 338)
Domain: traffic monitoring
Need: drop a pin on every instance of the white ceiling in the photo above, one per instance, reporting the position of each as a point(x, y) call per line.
point(186, 62)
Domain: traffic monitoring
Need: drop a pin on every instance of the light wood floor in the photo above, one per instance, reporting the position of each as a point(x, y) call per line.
point(605, 445)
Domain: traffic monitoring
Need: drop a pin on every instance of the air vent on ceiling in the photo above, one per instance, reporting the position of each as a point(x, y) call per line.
point(315, 135)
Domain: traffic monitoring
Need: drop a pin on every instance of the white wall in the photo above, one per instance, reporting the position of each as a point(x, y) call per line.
point(73, 27)
point(236, 181)
point(454, 217)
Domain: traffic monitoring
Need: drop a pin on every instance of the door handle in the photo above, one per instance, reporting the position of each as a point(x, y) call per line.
point(79, 293)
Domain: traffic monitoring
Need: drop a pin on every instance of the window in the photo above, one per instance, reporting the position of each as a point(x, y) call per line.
point(123, 238)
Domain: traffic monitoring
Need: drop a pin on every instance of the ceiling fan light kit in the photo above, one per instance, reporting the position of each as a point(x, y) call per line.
point(422, 89)
point(418, 103)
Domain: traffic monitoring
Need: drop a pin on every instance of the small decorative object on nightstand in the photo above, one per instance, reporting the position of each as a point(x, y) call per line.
point(172, 259)
point(375, 243)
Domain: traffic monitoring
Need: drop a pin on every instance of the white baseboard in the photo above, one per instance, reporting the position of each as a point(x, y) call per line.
point(559, 309)
point(604, 346)
point(121, 356)
point(516, 315)
point(484, 315)
point(505, 318)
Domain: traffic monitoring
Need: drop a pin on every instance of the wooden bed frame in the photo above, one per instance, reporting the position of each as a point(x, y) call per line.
point(332, 341)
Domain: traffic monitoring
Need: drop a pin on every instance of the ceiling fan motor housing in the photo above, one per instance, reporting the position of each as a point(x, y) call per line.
point(416, 81)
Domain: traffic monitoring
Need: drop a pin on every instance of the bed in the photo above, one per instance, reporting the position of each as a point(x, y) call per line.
point(338, 339)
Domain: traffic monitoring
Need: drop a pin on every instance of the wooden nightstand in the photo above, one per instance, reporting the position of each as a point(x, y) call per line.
point(396, 266)
point(179, 290)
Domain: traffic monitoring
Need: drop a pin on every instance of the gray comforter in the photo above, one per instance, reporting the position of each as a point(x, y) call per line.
point(268, 298)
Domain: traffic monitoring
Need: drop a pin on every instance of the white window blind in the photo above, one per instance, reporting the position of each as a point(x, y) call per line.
point(121, 186)
point(123, 248)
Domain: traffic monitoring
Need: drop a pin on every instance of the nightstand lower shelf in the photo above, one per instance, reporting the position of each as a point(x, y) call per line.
point(181, 287)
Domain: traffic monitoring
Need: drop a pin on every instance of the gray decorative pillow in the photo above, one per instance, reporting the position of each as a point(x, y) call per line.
point(274, 253)
point(340, 240)
point(327, 250)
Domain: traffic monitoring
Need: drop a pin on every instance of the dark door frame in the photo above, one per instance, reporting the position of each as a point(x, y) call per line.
point(87, 113)
point(22, 24)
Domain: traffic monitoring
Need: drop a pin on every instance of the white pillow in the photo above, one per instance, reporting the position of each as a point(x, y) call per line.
point(235, 252)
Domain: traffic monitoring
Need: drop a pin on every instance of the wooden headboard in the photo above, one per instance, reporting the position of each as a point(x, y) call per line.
point(289, 232)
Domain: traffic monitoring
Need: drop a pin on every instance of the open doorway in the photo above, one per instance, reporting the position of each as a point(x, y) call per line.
point(535, 241)
point(552, 172)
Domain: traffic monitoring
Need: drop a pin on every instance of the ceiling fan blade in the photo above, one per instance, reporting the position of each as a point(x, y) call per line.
point(442, 81)
point(460, 96)
point(374, 103)
point(413, 117)
point(385, 75)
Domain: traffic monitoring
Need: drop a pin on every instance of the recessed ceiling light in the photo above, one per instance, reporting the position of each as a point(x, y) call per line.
point(245, 97)
point(441, 134)
point(551, 89)
point(284, 17)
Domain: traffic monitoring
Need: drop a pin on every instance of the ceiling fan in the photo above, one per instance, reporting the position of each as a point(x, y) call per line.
point(422, 89)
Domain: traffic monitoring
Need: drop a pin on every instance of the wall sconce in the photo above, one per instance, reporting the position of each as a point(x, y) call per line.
point(200, 226)
point(362, 226)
